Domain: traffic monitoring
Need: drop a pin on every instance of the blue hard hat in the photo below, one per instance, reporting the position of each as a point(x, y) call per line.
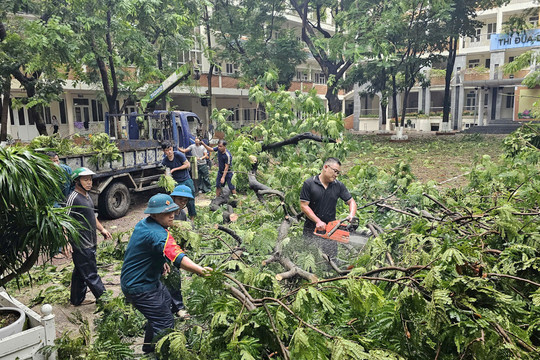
point(160, 203)
point(183, 191)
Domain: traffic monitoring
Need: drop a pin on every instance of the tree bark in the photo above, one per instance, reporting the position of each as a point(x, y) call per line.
point(330, 67)
point(6, 91)
point(452, 49)
point(394, 100)
point(295, 139)
point(29, 83)
point(209, 104)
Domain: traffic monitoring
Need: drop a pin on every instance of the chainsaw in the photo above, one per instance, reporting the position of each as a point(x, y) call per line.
point(339, 231)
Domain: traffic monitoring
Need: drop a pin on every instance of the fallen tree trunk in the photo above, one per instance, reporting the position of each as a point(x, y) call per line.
point(295, 139)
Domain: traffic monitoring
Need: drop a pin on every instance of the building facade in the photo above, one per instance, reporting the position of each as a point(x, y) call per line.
point(80, 110)
point(481, 93)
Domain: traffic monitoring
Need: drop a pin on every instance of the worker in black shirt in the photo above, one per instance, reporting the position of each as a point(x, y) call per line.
point(318, 200)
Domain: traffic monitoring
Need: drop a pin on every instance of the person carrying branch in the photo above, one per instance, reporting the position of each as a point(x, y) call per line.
point(179, 165)
point(318, 200)
point(150, 247)
point(225, 172)
point(201, 154)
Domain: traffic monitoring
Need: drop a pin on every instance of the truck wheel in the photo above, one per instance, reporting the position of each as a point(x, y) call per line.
point(114, 201)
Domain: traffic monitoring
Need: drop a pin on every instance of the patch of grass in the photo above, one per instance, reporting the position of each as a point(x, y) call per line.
point(430, 157)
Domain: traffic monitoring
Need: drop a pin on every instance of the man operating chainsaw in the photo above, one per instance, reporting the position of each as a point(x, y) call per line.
point(318, 200)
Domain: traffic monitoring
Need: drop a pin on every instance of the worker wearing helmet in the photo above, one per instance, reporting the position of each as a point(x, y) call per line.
point(181, 195)
point(81, 207)
point(150, 247)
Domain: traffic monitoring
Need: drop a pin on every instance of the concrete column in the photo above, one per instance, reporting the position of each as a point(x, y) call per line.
point(498, 105)
point(489, 94)
point(457, 93)
point(427, 106)
point(68, 96)
point(480, 107)
point(421, 99)
point(356, 108)
point(458, 121)
point(496, 63)
point(499, 20)
point(241, 110)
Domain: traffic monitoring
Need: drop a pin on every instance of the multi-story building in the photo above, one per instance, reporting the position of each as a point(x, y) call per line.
point(481, 94)
point(480, 88)
point(80, 110)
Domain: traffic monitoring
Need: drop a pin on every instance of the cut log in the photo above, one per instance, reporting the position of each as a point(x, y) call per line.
point(229, 215)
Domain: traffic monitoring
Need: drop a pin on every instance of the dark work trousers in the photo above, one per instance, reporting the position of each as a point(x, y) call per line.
point(329, 247)
point(191, 203)
point(177, 301)
point(155, 305)
point(85, 275)
point(204, 180)
point(228, 180)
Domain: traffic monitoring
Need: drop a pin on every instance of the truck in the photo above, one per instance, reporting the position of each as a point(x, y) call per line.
point(139, 137)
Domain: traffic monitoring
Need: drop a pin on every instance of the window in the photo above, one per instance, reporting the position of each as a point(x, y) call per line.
point(320, 78)
point(301, 76)
point(491, 29)
point(81, 109)
point(509, 101)
point(235, 116)
point(63, 118)
point(187, 56)
point(471, 101)
point(488, 63)
point(247, 115)
point(47, 115)
point(533, 20)
point(510, 59)
point(230, 68)
point(22, 116)
point(472, 63)
point(129, 107)
point(97, 111)
point(476, 37)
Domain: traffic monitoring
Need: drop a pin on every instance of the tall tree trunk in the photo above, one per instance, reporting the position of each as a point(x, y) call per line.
point(334, 104)
point(331, 68)
point(6, 91)
point(111, 92)
point(29, 83)
point(452, 47)
point(394, 101)
point(209, 105)
point(404, 106)
point(163, 101)
point(383, 115)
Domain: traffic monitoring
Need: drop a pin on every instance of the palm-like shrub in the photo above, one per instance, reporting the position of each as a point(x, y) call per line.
point(30, 224)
